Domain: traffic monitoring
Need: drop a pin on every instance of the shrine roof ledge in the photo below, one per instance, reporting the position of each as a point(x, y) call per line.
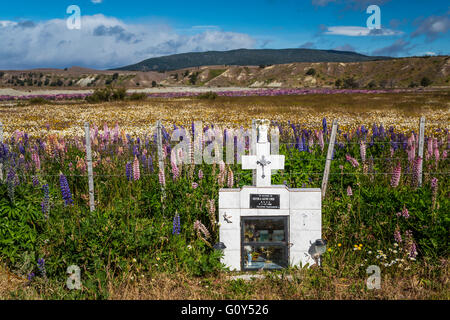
point(282, 186)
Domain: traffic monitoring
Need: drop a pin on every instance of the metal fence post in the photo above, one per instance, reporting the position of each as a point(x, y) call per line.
point(329, 156)
point(421, 144)
point(87, 133)
point(160, 152)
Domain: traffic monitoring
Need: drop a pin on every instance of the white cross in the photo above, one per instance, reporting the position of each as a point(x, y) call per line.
point(263, 161)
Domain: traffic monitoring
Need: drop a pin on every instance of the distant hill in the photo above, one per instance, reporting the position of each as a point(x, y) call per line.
point(246, 57)
point(391, 73)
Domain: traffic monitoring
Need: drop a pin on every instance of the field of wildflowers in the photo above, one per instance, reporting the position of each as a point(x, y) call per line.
point(375, 213)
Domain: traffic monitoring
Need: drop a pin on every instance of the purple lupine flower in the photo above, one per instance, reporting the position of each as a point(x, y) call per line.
point(41, 267)
point(45, 202)
point(176, 227)
point(128, 169)
point(30, 276)
point(10, 181)
point(65, 190)
point(150, 164)
point(35, 181)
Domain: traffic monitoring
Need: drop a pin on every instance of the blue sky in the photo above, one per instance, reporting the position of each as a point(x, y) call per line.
point(117, 32)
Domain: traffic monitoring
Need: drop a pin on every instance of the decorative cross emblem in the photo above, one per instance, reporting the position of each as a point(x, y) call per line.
point(263, 162)
point(227, 218)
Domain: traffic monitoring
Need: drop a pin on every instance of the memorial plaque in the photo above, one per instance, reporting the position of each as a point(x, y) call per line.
point(264, 201)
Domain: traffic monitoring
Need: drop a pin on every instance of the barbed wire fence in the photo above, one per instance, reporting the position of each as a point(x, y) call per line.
point(331, 143)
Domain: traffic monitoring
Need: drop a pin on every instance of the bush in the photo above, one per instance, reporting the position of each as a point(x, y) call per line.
point(311, 72)
point(372, 84)
point(338, 83)
point(107, 94)
point(425, 82)
point(38, 100)
point(137, 96)
point(350, 83)
point(208, 95)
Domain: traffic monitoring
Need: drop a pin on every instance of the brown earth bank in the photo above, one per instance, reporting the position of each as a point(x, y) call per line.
point(395, 73)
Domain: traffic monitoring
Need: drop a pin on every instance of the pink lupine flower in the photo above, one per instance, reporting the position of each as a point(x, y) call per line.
point(230, 178)
point(321, 143)
point(36, 160)
point(397, 236)
point(363, 150)
point(430, 149)
point(162, 177)
point(136, 170)
point(434, 190)
point(412, 250)
point(405, 213)
point(349, 191)
point(200, 174)
point(175, 171)
point(416, 170)
point(194, 185)
point(396, 176)
point(444, 155)
point(200, 227)
point(221, 166)
point(352, 161)
point(411, 148)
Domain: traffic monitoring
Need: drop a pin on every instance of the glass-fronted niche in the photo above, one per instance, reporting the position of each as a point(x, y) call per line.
point(264, 242)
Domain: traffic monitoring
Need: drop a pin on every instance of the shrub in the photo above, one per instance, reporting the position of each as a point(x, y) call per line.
point(425, 82)
point(208, 95)
point(350, 83)
point(372, 84)
point(311, 72)
point(137, 96)
point(107, 94)
point(38, 100)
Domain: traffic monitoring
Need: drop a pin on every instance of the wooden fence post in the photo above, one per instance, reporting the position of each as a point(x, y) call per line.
point(87, 133)
point(329, 156)
point(160, 153)
point(421, 144)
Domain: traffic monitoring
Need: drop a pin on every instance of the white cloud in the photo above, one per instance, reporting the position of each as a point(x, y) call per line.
point(102, 42)
point(96, 1)
point(354, 31)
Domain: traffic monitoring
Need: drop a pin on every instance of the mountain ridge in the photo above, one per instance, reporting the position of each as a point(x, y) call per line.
point(246, 57)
